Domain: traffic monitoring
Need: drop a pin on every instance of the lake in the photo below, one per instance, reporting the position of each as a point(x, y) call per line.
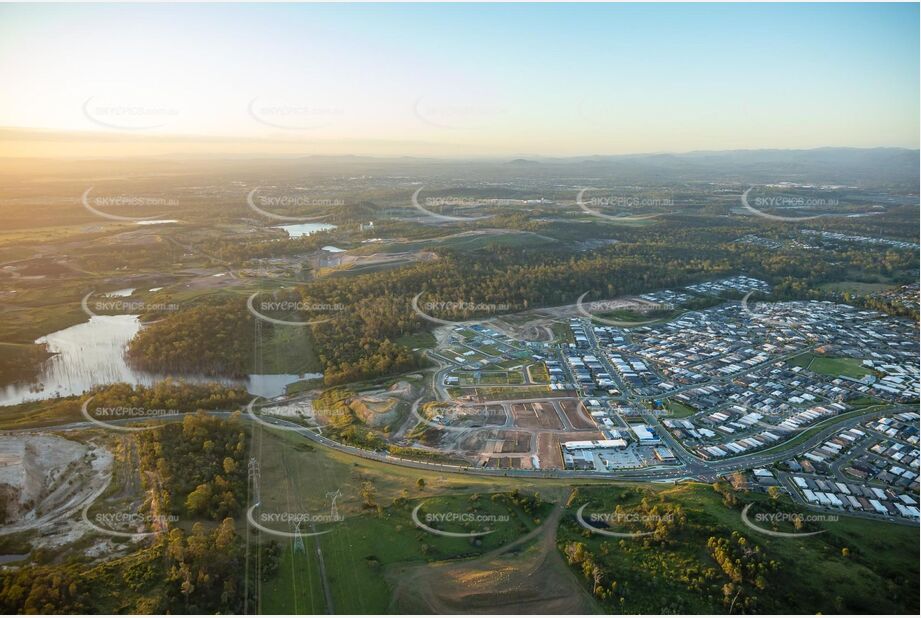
point(306, 229)
point(93, 353)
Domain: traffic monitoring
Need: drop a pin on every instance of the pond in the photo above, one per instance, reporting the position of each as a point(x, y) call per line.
point(93, 353)
point(306, 229)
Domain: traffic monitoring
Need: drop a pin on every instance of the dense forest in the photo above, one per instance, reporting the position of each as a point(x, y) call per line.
point(196, 572)
point(173, 395)
point(195, 468)
point(214, 339)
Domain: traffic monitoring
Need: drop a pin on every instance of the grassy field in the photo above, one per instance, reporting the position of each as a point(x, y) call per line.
point(680, 410)
point(807, 575)
point(539, 373)
point(289, 349)
point(490, 378)
point(40, 413)
point(423, 340)
point(628, 315)
point(358, 552)
point(831, 366)
point(297, 587)
point(856, 287)
point(561, 333)
point(371, 537)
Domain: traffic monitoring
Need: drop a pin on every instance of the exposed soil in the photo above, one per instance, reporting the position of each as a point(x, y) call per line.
point(46, 479)
point(577, 415)
point(527, 576)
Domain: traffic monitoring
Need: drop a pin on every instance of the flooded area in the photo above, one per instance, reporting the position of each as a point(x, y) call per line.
point(93, 353)
point(306, 229)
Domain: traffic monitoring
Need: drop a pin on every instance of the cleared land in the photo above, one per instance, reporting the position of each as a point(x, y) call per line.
point(535, 416)
point(576, 414)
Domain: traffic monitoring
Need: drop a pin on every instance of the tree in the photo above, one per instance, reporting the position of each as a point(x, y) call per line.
point(225, 534)
point(230, 465)
point(199, 501)
point(367, 492)
point(738, 480)
point(420, 484)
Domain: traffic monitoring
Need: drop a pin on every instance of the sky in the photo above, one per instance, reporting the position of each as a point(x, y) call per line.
point(455, 80)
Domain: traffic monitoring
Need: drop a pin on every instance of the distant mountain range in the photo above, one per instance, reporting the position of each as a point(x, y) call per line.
point(843, 166)
point(884, 168)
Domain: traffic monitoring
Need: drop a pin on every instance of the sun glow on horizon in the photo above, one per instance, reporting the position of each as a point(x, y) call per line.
point(454, 80)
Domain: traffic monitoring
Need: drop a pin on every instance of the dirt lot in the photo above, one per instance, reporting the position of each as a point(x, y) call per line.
point(515, 442)
point(45, 479)
point(548, 452)
point(527, 576)
point(578, 416)
point(513, 463)
point(535, 416)
point(494, 441)
point(480, 415)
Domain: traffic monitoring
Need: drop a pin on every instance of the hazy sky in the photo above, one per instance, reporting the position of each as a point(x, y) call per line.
point(457, 79)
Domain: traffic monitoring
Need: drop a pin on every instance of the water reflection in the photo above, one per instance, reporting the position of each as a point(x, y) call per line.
point(93, 353)
point(306, 229)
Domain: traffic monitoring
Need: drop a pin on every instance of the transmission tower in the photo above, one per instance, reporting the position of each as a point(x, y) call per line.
point(333, 509)
point(257, 348)
point(298, 540)
point(253, 473)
